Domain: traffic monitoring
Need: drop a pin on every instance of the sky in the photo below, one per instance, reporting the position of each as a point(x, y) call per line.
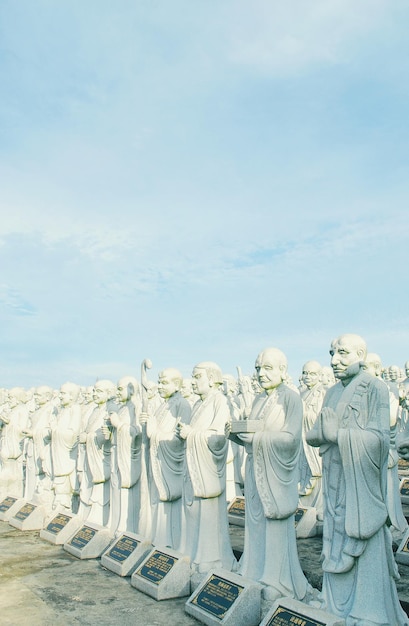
point(200, 180)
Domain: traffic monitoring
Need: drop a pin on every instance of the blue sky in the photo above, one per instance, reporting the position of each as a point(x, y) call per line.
point(197, 180)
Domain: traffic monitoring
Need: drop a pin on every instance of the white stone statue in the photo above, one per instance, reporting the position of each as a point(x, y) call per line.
point(166, 458)
point(37, 447)
point(205, 535)
point(327, 377)
point(373, 366)
point(95, 485)
point(15, 422)
point(87, 407)
point(271, 483)
point(235, 456)
point(353, 432)
point(65, 431)
point(187, 391)
point(126, 457)
point(310, 487)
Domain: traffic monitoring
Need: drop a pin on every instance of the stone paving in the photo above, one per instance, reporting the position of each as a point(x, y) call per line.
point(43, 585)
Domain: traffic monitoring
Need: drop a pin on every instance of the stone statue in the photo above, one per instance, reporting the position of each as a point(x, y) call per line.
point(373, 365)
point(327, 377)
point(271, 483)
point(166, 457)
point(310, 487)
point(353, 433)
point(38, 448)
point(65, 431)
point(126, 457)
point(205, 535)
point(95, 485)
point(87, 407)
point(187, 391)
point(235, 456)
point(15, 422)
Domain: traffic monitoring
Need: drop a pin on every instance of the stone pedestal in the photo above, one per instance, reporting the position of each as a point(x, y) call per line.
point(125, 553)
point(29, 517)
point(163, 574)
point(59, 528)
point(226, 598)
point(89, 541)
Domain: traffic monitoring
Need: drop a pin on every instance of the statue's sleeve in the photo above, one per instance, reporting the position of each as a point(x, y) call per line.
point(276, 453)
point(364, 448)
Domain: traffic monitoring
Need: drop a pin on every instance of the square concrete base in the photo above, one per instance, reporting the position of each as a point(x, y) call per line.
point(226, 598)
point(163, 574)
point(289, 612)
point(9, 507)
point(29, 517)
point(59, 528)
point(125, 553)
point(89, 541)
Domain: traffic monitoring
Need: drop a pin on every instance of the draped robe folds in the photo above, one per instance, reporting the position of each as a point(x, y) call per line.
point(310, 487)
point(11, 451)
point(358, 564)
point(38, 452)
point(166, 469)
point(205, 533)
point(271, 490)
point(126, 462)
point(65, 429)
point(94, 492)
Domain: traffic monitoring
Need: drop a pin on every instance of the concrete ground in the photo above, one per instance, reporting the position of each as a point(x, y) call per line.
point(43, 585)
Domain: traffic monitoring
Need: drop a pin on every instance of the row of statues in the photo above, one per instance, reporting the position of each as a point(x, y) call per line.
point(153, 460)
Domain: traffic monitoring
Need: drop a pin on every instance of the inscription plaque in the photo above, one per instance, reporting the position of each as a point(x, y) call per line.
point(299, 514)
point(25, 511)
point(404, 490)
point(157, 566)
point(7, 503)
point(217, 596)
point(58, 523)
point(82, 537)
point(123, 548)
point(287, 617)
point(238, 507)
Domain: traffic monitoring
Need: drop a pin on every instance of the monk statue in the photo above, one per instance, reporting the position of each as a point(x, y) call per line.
point(95, 485)
point(271, 483)
point(126, 457)
point(353, 433)
point(14, 422)
point(65, 429)
point(310, 487)
point(205, 534)
point(166, 457)
point(37, 447)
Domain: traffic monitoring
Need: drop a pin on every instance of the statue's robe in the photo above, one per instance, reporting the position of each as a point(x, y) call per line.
point(271, 491)
point(205, 535)
point(358, 564)
point(166, 458)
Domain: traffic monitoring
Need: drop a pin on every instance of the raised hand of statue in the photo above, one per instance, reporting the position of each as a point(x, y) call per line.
point(246, 437)
point(27, 433)
point(143, 418)
point(183, 430)
point(330, 425)
point(83, 438)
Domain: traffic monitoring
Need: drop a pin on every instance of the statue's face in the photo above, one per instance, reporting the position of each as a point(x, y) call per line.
point(269, 372)
point(343, 355)
point(311, 374)
point(65, 396)
point(41, 397)
point(200, 382)
point(122, 392)
point(186, 389)
point(167, 386)
point(393, 373)
point(100, 394)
